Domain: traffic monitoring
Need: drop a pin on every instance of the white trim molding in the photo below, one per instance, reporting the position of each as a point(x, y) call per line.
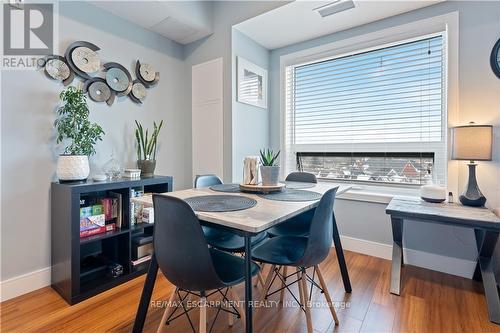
point(23, 284)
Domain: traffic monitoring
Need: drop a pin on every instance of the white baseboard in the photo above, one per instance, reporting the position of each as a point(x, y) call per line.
point(436, 262)
point(24, 284)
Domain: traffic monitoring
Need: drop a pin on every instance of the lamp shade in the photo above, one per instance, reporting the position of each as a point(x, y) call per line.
point(472, 142)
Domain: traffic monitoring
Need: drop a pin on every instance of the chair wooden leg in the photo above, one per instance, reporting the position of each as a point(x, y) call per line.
point(235, 298)
point(327, 295)
point(267, 285)
point(305, 297)
point(168, 310)
point(203, 315)
point(299, 286)
point(282, 292)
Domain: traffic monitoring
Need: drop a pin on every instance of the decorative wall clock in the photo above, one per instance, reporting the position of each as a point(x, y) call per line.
point(118, 78)
point(81, 58)
point(98, 90)
point(56, 68)
point(138, 93)
point(495, 59)
point(146, 74)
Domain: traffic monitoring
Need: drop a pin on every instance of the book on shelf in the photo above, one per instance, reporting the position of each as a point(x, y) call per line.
point(116, 208)
point(141, 260)
point(97, 230)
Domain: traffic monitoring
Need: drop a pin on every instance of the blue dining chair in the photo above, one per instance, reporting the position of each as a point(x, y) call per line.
point(193, 267)
point(298, 225)
point(219, 238)
point(302, 252)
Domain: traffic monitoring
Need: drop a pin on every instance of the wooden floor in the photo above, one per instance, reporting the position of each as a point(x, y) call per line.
point(430, 302)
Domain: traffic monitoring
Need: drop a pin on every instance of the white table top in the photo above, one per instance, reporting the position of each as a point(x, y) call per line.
point(265, 214)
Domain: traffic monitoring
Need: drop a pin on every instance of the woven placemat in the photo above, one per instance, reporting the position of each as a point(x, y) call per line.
point(292, 195)
point(229, 188)
point(220, 203)
point(298, 185)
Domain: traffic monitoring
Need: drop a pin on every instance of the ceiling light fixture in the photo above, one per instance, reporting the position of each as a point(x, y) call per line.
point(334, 7)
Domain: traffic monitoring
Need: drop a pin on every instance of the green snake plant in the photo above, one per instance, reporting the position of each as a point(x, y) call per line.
point(146, 145)
point(268, 157)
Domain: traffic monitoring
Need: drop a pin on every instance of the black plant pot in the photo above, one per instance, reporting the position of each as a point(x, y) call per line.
point(147, 167)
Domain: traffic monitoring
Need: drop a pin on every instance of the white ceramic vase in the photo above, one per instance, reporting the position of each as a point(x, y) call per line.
point(73, 167)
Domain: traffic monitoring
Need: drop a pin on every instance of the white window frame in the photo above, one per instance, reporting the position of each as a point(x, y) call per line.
point(445, 25)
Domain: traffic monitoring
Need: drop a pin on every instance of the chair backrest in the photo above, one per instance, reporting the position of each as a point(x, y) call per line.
point(321, 231)
point(206, 181)
point(305, 177)
point(180, 247)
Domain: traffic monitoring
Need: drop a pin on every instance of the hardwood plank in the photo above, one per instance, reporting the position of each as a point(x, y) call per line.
point(430, 302)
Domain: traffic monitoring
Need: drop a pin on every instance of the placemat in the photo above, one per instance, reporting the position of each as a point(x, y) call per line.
point(220, 203)
point(298, 185)
point(229, 188)
point(292, 195)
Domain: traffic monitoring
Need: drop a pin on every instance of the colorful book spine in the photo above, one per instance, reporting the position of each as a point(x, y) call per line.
point(98, 230)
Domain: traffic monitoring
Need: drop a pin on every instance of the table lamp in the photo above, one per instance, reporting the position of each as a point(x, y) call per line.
point(472, 142)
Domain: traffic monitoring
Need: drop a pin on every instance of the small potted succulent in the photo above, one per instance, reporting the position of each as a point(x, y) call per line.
point(146, 148)
point(269, 170)
point(75, 129)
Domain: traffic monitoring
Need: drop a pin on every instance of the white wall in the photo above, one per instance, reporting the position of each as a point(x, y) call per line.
point(250, 123)
point(28, 101)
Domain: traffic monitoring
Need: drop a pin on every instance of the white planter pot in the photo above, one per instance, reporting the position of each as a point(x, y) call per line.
point(73, 167)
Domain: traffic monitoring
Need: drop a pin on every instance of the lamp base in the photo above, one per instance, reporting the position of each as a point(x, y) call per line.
point(472, 196)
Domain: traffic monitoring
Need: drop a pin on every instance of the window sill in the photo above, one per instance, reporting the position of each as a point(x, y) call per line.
point(376, 193)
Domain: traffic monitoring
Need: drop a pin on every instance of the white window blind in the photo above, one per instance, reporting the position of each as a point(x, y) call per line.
point(389, 99)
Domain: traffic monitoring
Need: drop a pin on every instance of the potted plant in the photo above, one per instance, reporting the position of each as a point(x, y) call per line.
point(269, 170)
point(146, 148)
point(74, 128)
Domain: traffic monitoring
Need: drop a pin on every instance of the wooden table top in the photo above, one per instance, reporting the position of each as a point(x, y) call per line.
point(265, 214)
point(454, 213)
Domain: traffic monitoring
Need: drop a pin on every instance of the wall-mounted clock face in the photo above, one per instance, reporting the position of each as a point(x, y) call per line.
point(86, 60)
point(57, 69)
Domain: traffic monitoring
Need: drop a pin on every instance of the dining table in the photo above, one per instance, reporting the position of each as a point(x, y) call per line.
point(247, 223)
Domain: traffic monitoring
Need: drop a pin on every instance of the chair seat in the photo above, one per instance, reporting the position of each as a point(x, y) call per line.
point(296, 226)
point(229, 241)
point(230, 268)
point(282, 250)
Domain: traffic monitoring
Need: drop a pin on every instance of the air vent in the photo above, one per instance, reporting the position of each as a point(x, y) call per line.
point(334, 7)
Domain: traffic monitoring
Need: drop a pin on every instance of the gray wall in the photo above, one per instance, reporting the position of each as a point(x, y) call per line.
point(250, 123)
point(479, 100)
point(226, 14)
point(27, 137)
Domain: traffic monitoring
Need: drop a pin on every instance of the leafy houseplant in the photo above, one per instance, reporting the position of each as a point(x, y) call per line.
point(269, 170)
point(146, 148)
point(74, 128)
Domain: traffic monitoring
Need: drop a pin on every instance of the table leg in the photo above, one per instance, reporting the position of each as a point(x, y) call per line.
point(486, 243)
point(397, 254)
point(340, 257)
point(248, 285)
point(147, 291)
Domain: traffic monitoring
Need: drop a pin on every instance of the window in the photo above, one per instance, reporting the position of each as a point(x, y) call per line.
point(376, 116)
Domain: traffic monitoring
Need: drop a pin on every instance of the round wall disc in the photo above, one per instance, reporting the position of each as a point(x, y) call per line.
point(99, 91)
point(85, 59)
point(57, 69)
point(117, 79)
point(139, 91)
point(147, 72)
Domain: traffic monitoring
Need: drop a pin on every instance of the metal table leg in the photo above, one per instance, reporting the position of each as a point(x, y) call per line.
point(486, 242)
point(397, 254)
point(147, 291)
point(248, 285)
point(340, 257)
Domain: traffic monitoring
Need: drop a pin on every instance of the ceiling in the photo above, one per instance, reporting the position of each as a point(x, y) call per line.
point(297, 21)
point(181, 21)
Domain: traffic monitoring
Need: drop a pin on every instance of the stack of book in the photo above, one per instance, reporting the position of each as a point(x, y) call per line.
point(100, 215)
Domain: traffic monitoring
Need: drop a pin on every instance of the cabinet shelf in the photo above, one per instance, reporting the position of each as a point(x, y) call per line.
point(74, 274)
